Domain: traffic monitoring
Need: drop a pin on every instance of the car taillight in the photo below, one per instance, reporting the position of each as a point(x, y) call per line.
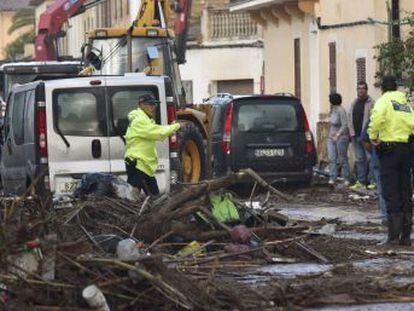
point(171, 116)
point(227, 129)
point(42, 134)
point(308, 134)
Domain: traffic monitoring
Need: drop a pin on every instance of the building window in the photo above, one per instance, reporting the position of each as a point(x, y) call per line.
point(297, 67)
point(361, 69)
point(395, 17)
point(239, 87)
point(332, 67)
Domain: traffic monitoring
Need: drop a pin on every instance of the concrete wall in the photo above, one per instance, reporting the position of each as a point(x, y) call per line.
point(205, 66)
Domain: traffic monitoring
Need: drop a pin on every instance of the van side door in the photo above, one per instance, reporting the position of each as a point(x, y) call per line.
point(14, 173)
point(77, 132)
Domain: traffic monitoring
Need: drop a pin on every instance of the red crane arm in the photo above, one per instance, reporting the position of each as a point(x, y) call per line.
point(183, 10)
point(51, 22)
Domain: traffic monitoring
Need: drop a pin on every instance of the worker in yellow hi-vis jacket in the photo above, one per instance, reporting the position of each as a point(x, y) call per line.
point(390, 131)
point(141, 159)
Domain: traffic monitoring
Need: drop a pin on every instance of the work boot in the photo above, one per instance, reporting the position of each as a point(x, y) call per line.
point(356, 186)
point(406, 229)
point(394, 229)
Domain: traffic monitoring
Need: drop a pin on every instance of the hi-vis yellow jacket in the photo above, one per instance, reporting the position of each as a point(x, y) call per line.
point(140, 138)
point(392, 118)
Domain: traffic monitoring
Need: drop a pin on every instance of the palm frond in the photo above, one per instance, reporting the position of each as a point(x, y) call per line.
point(23, 17)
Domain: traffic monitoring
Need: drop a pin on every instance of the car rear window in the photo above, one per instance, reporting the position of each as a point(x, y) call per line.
point(262, 116)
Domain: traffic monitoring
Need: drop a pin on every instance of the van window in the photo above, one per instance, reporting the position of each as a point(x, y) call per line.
point(267, 117)
point(29, 114)
point(123, 100)
point(17, 118)
point(79, 112)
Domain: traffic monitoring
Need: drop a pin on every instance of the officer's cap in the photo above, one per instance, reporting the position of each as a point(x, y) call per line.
point(148, 99)
point(389, 83)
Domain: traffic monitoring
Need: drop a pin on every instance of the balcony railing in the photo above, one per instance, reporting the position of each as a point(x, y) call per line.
point(224, 25)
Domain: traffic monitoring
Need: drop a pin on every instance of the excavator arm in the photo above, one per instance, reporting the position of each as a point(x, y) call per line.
point(51, 22)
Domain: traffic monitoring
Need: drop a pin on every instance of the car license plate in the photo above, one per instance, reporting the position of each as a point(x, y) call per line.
point(269, 153)
point(69, 186)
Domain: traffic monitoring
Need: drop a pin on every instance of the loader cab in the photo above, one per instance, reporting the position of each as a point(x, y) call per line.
point(115, 51)
point(146, 49)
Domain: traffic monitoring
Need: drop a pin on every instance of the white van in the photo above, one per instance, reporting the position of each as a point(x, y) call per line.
point(62, 129)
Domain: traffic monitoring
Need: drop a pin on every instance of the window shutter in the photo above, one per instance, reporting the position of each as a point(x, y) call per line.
point(361, 69)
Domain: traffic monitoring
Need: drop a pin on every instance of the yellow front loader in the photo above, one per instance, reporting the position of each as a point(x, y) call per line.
point(150, 46)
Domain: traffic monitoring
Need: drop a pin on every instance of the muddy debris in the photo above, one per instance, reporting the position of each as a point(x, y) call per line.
point(180, 251)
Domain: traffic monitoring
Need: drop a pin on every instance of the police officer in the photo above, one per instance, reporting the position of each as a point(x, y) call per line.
point(141, 159)
point(392, 123)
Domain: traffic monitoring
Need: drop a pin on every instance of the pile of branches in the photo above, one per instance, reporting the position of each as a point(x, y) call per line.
point(78, 248)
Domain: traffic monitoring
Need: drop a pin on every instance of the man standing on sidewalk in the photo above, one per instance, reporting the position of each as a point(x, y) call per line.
point(358, 118)
point(390, 130)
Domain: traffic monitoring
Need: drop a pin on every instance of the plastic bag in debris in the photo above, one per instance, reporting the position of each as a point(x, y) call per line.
point(62, 201)
point(128, 249)
point(193, 248)
point(123, 190)
point(98, 184)
point(224, 209)
point(240, 234)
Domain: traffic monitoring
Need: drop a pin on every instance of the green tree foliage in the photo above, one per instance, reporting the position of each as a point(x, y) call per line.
point(397, 56)
point(15, 50)
point(23, 17)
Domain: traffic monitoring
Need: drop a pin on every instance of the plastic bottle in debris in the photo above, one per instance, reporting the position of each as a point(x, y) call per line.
point(128, 249)
point(95, 298)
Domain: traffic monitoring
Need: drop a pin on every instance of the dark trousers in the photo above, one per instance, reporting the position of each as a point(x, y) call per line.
point(395, 174)
point(140, 180)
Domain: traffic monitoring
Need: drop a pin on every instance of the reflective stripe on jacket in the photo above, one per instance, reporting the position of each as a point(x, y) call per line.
point(141, 136)
point(392, 119)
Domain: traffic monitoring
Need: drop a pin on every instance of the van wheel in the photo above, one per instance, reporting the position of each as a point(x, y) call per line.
point(192, 154)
